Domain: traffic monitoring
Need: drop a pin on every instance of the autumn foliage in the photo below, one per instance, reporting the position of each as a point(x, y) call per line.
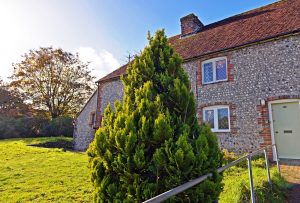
point(53, 80)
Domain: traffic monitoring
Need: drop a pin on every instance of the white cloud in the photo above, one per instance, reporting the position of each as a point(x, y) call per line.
point(101, 63)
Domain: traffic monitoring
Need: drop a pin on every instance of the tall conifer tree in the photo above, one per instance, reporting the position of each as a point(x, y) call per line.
point(152, 141)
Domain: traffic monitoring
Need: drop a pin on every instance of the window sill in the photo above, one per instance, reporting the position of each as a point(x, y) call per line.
point(215, 82)
point(220, 131)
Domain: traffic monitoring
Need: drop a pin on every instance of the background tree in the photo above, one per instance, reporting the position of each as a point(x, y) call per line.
point(12, 103)
point(153, 142)
point(53, 80)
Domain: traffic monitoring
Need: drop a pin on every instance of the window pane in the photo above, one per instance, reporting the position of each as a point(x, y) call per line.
point(221, 70)
point(209, 118)
point(208, 72)
point(223, 118)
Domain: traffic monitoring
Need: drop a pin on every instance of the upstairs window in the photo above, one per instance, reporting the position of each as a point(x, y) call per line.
point(214, 70)
point(217, 117)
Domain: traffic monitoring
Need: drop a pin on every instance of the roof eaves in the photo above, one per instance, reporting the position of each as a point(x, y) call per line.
point(282, 35)
point(106, 77)
point(111, 79)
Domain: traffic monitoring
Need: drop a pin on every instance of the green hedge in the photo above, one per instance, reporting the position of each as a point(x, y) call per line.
point(61, 126)
point(35, 127)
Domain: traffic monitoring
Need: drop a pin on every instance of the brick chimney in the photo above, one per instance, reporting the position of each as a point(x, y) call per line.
point(190, 24)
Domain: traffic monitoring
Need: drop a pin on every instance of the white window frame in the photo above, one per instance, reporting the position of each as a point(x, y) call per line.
point(216, 124)
point(214, 60)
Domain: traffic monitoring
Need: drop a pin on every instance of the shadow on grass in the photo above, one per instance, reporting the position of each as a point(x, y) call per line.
point(63, 144)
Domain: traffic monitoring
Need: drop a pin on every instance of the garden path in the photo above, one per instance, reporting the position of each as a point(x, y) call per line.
point(291, 171)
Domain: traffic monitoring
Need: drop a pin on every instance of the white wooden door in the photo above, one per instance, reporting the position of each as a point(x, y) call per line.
point(286, 128)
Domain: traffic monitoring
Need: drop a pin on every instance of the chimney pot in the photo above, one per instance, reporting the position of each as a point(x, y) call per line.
point(190, 24)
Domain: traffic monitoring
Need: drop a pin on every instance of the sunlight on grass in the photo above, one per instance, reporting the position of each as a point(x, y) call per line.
point(237, 187)
point(34, 174)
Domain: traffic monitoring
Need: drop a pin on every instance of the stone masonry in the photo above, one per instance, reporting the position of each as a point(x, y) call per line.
point(83, 129)
point(111, 91)
point(266, 71)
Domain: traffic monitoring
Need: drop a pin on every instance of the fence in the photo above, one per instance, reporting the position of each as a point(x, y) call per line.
point(248, 157)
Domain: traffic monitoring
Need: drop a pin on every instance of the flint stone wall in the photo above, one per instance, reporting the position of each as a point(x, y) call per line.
point(260, 71)
point(111, 91)
point(83, 131)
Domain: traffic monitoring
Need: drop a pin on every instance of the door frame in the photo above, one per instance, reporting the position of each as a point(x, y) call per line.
point(280, 101)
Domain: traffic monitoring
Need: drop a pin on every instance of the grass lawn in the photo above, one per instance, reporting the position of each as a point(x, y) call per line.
point(237, 187)
point(35, 174)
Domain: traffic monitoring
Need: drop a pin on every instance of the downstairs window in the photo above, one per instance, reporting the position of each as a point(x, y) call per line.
point(217, 117)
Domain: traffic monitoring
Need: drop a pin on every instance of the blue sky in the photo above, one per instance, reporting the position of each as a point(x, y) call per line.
point(103, 32)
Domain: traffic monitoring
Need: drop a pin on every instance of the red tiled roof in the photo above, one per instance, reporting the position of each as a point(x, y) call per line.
point(115, 73)
point(266, 22)
point(263, 23)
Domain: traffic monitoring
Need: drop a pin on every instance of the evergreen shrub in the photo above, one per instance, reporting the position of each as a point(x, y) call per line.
point(152, 141)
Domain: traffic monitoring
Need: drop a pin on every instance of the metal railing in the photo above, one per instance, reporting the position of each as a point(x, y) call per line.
point(181, 188)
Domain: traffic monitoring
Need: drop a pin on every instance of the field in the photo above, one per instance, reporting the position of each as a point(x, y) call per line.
point(36, 174)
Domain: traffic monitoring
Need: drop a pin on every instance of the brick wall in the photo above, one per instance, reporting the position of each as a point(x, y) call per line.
point(190, 24)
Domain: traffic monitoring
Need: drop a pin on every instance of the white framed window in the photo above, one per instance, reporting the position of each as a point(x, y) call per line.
point(218, 117)
point(214, 70)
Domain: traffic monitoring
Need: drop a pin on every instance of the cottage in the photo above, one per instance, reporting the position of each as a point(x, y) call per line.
point(85, 124)
point(245, 74)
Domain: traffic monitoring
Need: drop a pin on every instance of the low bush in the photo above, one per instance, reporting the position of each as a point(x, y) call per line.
point(22, 127)
point(35, 127)
point(61, 126)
